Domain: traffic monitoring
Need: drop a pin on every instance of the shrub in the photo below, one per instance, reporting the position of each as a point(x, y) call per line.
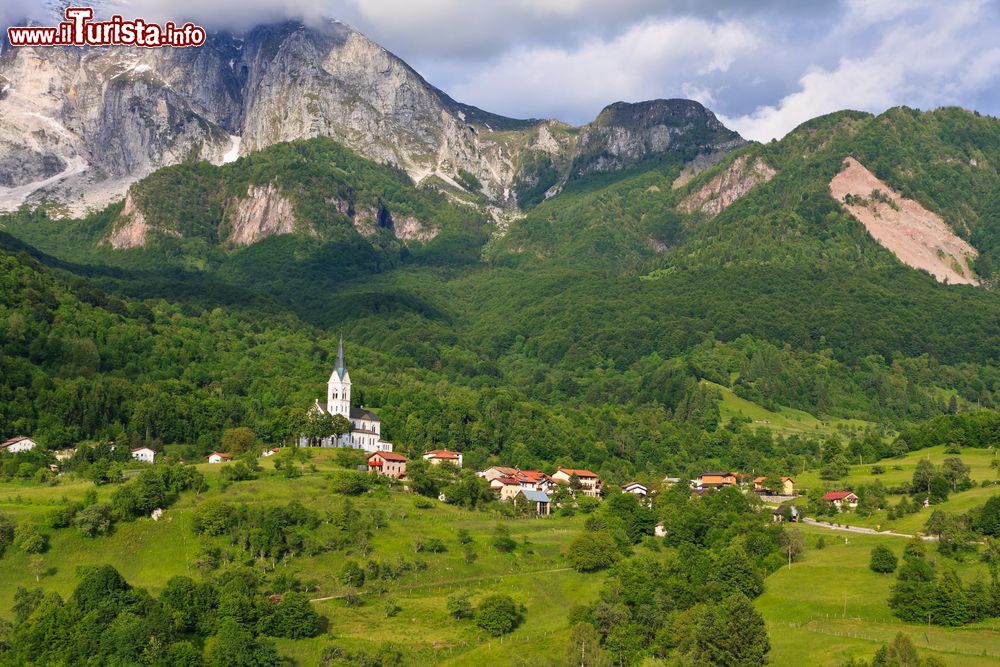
point(502, 540)
point(351, 574)
point(498, 615)
point(459, 606)
point(94, 520)
point(29, 540)
point(592, 551)
point(883, 560)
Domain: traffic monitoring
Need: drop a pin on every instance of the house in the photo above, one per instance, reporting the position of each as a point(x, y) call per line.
point(590, 483)
point(635, 488)
point(660, 530)
point(497, 471)
point(840, 498)
point(539, 501)
point(219, 457)
point(366, 428)
point(64, 454)
point(19, 443)
point(716, 480)
point(143, 454)
point(787, 486)
point(671, 481)
point(271, 451)
point(786, 512)
point(439, 456)
point(506, 488)
point(389, 464)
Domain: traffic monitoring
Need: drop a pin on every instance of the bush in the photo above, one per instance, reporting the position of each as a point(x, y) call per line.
point(498, 615)
point(883, 560)
point(459, 606)
point(592, 551)
point(351, 574)
point(821, 542)
point(29, 540)
point(94, 520)
point(502, 540)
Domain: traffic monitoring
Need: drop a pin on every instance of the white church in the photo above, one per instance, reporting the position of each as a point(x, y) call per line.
point(366, 429)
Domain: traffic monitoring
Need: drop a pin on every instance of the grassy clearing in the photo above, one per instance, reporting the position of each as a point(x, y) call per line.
point(804, 607)
point(786, 421)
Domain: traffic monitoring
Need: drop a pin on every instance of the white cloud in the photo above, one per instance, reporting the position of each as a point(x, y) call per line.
point(942, 57)
point(653, 59)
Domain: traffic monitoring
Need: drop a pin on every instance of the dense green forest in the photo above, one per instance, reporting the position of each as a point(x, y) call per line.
point(570, 337)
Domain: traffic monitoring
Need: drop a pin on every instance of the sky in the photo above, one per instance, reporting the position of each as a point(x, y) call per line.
point(762, 66)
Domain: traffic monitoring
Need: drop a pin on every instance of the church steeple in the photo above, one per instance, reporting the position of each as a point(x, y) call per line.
point(341, 367)
point(338, 389)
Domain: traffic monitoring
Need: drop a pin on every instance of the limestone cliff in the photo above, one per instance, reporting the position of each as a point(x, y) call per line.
point(726, 187)
point(263, 212)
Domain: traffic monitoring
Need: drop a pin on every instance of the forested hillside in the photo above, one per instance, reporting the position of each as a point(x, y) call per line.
point(581, 332)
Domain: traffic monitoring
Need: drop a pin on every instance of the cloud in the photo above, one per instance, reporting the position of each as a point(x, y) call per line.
point(940, 56)
point(662, 58)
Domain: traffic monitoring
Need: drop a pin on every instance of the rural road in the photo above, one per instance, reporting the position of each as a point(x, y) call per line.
point(863, 531)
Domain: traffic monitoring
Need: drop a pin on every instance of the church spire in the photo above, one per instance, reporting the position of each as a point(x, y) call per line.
point(341, 366)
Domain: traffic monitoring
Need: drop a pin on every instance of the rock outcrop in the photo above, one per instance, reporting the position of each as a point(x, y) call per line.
point(262, 213)
point(131, 229)
point(735, 181)
point(918, 237)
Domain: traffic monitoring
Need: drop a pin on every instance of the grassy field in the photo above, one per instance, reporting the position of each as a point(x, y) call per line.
point(831, 607)
point(786, 421)
point(901, 469)
point(148, 553)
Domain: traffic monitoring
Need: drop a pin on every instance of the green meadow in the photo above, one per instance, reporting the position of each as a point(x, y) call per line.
point(830, 607)
point(898, 470)
point(148, 553)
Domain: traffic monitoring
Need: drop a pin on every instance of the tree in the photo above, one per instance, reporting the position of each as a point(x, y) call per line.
point(735, 571)
point(459, 606)
point(939, 489)
point(592, 551)
point(498, 615)
point(7, 525)
point(988, 522)
point(502, 541)
point(914, 591)
point(28, 539)
point(584, 647)
point(956, 472)
point(731, 634)
point(351, 574)
point(793, 545)
point(922, 476)
point(233, 646)
point(25, 601)
point(882, 560)
point(950, 605)
point(293, 618)
point(238, 440)
point(94, 520)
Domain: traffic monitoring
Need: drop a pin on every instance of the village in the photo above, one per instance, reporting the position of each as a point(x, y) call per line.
point(534, 491)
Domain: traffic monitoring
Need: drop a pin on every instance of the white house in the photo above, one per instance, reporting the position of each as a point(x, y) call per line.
point(219, 457)
point(144, 454)
point(19, 443)
point(64, 454)
point(366, 428)
point(438, 456)
point(636, 489)
point(271, 451)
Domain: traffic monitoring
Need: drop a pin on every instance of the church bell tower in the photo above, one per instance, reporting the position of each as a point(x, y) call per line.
point(338, 390)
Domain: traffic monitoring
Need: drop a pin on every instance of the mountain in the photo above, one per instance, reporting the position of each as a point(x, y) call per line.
point(83, 124)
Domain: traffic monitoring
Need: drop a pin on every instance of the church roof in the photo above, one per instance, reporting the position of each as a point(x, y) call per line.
point(361, 413)
point(341, 368)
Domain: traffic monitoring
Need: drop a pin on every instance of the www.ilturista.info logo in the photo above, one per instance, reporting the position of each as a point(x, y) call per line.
point(80, 30)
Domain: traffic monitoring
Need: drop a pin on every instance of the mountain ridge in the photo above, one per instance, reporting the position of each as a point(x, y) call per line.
point(90, 122)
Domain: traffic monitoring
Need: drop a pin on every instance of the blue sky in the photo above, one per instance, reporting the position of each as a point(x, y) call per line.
point(763, 67)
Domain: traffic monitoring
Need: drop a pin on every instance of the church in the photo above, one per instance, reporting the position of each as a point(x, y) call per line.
point(366, 429)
